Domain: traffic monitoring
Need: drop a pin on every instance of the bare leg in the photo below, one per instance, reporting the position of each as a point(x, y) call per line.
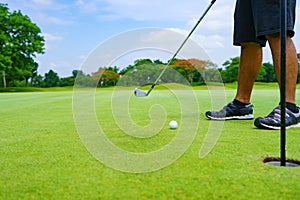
point(291, 64)
point(250, 63)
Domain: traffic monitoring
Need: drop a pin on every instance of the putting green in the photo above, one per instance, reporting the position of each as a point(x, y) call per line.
point(43, 156)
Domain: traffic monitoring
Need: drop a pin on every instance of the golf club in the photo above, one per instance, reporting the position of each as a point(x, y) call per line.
point(142, 93)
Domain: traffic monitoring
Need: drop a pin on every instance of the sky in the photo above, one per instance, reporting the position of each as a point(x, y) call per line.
point(73, 29)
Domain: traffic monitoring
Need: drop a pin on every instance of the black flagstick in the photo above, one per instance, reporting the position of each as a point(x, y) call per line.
point(283, 82)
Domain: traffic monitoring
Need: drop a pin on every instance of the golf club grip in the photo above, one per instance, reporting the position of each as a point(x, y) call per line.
point(183, 43)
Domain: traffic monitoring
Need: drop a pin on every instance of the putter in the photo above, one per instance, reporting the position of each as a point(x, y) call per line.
point(142, 93)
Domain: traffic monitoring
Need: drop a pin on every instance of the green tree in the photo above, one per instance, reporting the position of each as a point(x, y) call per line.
point(127, 69)
point(67, 81)
point(230, 74)
point(143, 71)
point(158, 62)
point(261, 76)
point(70, 80)
point(211, 73)
point(51, 79)
point(115, 69)
point(82, 79)
point(137, 64)
point(37, 81)
point(5, 46)
point(270, 73)
point(20, 41)
point(140, 62)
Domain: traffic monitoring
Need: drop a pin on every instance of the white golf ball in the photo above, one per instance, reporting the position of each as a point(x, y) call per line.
point(173, 124)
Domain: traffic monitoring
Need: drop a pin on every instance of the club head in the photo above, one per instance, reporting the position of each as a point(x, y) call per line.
point(139, 93)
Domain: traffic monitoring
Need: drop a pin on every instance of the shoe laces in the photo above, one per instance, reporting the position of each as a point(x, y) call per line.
point(227, 108)
point(275, 114)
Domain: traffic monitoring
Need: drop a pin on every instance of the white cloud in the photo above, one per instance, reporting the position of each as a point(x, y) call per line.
point(207, 42)
point(173, 10)
point(46, 19)
point(82, 57)
point(51, 37)
point(63, 68)
point(87, 6)
point(42, 2)
point(220, 19)
point(216, 45)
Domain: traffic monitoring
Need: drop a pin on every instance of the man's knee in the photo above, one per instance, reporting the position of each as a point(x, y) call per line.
point(275, 36)
point(250, 45)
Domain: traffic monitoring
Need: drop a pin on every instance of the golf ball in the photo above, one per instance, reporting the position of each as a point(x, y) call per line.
point(173, 124)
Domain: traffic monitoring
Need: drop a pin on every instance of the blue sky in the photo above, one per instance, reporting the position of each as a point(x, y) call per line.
point(73, 29)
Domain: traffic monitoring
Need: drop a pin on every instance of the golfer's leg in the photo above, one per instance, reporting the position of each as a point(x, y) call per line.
point(291, 64)
point(250, 63)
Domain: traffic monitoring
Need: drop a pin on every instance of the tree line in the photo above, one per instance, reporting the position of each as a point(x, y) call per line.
point(145, 71)
point(21, 40)
point(229, 72)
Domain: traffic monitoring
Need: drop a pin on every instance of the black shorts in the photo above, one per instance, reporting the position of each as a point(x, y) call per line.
point(253, 19)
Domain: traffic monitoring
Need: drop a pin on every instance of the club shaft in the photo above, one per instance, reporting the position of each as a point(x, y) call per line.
point(180, 47)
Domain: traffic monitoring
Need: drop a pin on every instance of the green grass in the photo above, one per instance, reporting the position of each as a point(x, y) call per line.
point(42, 156)
point(35, 89)
point(258, 86)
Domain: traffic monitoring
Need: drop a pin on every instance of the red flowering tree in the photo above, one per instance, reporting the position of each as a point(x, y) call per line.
point(105, 77)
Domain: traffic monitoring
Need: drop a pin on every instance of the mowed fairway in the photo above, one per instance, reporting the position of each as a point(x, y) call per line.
point(42, 156)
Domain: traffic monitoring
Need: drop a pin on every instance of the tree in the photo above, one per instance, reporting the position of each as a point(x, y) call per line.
point(144, 71)
point(82, 79)
point(140, 62)
point(70, 80)
point(5, 46)
point(137, 63)
point(211, 72)
point(262, 74)
point(20, 41)
point(270, 75)
point(115, 69)
point(127, 69)
point(105, 77)
point(185, 68)
point(158, 62)
point(51, 79)
point(37, 81)
point(23, 69)
point(230, 74)
point(67, 81)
